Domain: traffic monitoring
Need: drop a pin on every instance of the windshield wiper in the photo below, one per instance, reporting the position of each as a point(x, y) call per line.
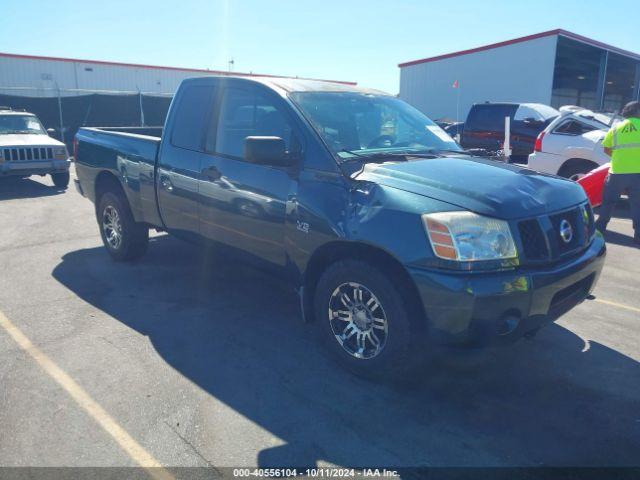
point(469, 153)
point(450, 150)
point(381, 156)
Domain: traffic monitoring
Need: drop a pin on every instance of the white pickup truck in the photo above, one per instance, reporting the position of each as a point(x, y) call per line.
point(27, 149)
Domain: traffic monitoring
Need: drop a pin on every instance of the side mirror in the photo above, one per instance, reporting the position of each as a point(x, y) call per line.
point(51, 131)
point(266, 151)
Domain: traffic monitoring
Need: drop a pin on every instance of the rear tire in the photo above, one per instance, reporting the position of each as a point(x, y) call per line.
point(356, 306)
point(60, 180)
point(123, 237)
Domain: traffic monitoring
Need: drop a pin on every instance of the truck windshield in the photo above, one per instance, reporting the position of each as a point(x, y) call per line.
point(365, 123)
point(20, 124)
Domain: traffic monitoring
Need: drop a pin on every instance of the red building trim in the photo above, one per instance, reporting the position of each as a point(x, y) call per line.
point(549, 33)
point(159, 67)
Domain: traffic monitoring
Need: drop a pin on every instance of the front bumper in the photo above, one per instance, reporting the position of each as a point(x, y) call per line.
point(500, 307)
point(33, 167)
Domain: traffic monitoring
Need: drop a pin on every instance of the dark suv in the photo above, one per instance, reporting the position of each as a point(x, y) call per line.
point(484, 127)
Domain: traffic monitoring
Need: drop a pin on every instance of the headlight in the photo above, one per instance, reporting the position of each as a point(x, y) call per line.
point(469, 237)
point(60, 153)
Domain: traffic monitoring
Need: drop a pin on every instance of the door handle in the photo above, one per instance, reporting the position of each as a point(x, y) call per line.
point(166, 184)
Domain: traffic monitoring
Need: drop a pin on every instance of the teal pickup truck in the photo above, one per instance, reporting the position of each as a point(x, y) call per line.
point(394, 237)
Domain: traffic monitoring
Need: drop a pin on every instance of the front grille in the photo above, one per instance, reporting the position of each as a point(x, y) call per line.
point(556, 236)
point(569, 218)
point(533, 240)
point(28, 153)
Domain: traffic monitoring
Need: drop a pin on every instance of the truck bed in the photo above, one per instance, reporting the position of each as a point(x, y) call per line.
point(130, 156)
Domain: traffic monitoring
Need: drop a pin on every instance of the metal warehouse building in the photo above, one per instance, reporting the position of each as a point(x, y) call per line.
point(555, 68)
point(68, 93)
point(46, 76)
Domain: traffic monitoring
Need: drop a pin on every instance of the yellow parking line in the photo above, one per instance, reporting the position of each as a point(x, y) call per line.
point(84, 400)
point(619, 305)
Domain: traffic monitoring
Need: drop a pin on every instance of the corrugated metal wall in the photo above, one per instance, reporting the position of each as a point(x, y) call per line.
point(38, 77)
point(520, 72)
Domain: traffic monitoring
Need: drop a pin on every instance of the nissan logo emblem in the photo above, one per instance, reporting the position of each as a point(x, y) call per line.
point(566, 231)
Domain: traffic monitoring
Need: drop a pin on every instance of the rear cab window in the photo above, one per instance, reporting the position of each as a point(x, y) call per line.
point(190, 118)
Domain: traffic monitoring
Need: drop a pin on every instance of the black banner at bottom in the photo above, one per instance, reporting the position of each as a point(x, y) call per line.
point(430, 473)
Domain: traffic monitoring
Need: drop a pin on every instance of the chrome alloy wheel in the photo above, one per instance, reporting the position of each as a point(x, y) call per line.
point(358, 320)
point(112, 227)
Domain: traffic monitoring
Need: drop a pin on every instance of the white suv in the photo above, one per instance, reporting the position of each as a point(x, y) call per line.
point(571, 145)
point(27, 149)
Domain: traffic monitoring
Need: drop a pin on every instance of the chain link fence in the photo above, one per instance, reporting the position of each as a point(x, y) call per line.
point(66, 110)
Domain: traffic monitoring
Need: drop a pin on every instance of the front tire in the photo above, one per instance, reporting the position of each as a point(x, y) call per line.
point(60, 180)
point(123, 237)
point(363, 321)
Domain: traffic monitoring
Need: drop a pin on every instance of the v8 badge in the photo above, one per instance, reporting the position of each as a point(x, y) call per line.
point(302, 226)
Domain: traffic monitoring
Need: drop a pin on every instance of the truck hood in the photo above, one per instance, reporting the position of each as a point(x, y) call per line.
point(483, 186)
point(28, 140)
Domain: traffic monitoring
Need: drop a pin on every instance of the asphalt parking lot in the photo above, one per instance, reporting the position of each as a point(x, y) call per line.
point(193, 360)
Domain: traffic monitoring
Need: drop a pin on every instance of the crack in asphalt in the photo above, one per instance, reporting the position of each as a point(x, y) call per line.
point(193, 447)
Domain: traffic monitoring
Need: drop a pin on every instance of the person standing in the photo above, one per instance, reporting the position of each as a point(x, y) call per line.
point(622, 144)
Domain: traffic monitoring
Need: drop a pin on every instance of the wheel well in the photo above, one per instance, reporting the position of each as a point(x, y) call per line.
point(336, 251)
point(577, 162)
point(107, 182)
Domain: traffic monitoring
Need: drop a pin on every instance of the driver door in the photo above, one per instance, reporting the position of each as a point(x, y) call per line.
point(241, 204)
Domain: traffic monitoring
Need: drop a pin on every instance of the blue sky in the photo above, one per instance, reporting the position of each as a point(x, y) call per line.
point(354, 40)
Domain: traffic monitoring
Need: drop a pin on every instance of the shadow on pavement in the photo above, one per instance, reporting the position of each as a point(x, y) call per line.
point(16, 188)
point(237, 334)
point(611, 236)
point(622, 211)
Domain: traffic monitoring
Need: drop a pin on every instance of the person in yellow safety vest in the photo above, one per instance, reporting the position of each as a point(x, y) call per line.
point(622, 144)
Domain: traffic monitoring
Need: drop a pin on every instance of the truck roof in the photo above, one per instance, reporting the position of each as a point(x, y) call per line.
point(9, 111)
point(289, 85)
point(297, 85)
point(510, 104)
point(499, 104)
